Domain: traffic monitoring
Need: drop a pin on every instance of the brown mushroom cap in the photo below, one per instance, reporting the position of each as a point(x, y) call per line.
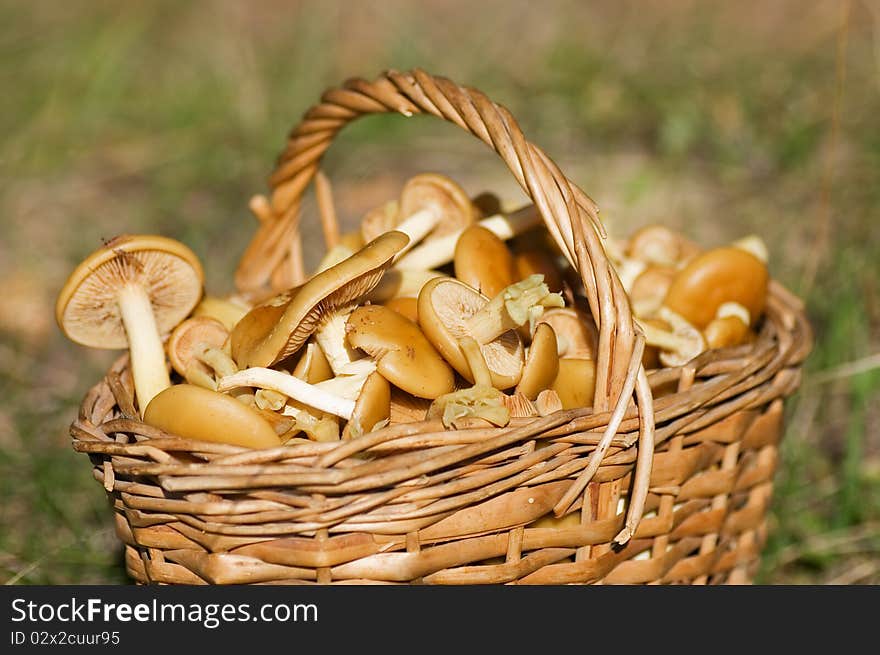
point(576, 332)
point(576, 382)
point(438, 193)
point(196, 332)
point(87, 309)
point(445, 305)
point(483, 261)
point(649, 288)
point(487, 203)
point(312, 366)
point(318, 298)
point(717, 276)
point(403, 355)
point(542, 363)
point(372, 407)
point(194, 412)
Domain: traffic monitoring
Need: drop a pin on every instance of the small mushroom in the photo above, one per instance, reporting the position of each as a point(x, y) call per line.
point(445, 305)
point(714, 277)
point(130, 293)
point(190, 339)
point(402, 353)
point(312, 366)
point(730, 327)
point(483, 261)
point(476, 402)
point(659, 245)
point(430, 204)
point(649, 289)
point(194, 412)
point(542, 363)
point(320, 307)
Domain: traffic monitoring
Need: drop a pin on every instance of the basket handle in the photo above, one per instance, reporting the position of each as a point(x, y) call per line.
point(570, 215)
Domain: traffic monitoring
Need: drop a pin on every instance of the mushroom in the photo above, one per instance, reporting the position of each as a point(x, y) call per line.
point(430, 203)
point(130, 293)
point(401, 283)
point(372, 409)
point(445, 305)
point(516, 305)
point(193, 412)
point(337, 396)
point(312, 366)
point(649, 288)
point(483, 261)
point(714, 277)
point(479, 401)
point(320, 307)
point(440, 250)
point(191, 339)
point(402, 353)
point(542, 363)
point(730, 327)
point(678, 345)
point(659, 245)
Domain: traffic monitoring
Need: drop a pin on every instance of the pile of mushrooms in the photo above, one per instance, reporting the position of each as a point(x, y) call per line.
point(439, 307)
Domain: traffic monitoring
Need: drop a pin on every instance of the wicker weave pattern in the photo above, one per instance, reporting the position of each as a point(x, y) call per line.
point(686, 477)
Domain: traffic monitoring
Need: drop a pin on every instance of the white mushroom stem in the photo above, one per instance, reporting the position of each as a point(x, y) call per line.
point(331, 338)
point(292, 387)
point(516, 305)
point(417, 226)
point(145, 348)
point(437, 252)
point(654, 336)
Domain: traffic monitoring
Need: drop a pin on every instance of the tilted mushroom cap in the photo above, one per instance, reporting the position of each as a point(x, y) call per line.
point(445, 305)
point(87, 308)
point(649, 288)
point(312, 366)
point(191, 335)
point(403, 355)
point(730, 327)
point(483, 261)
point(575, 330)
point(303, 312)
point(251, 330)
point(542, 362)
point(193, 412)
point(440, 194)
point(534, 260)
point(229, 310)
point(717, 276)
point(131, 293)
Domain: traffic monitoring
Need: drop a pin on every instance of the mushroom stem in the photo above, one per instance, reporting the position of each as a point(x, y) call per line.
point(417, 226)
point(477, 363)
point(331, 338)
point(308, 394)
point(437, 252)
point(517, 304)
point(144, 344)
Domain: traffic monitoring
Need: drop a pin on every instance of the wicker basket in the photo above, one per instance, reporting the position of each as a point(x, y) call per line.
point(668, 490)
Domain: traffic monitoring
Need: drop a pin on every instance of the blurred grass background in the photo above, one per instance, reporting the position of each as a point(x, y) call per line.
point(716, 118)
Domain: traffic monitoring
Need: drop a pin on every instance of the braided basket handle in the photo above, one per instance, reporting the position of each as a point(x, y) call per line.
point(569, 214)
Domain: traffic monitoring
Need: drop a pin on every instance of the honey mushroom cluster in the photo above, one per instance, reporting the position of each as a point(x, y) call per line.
point(438, 307)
